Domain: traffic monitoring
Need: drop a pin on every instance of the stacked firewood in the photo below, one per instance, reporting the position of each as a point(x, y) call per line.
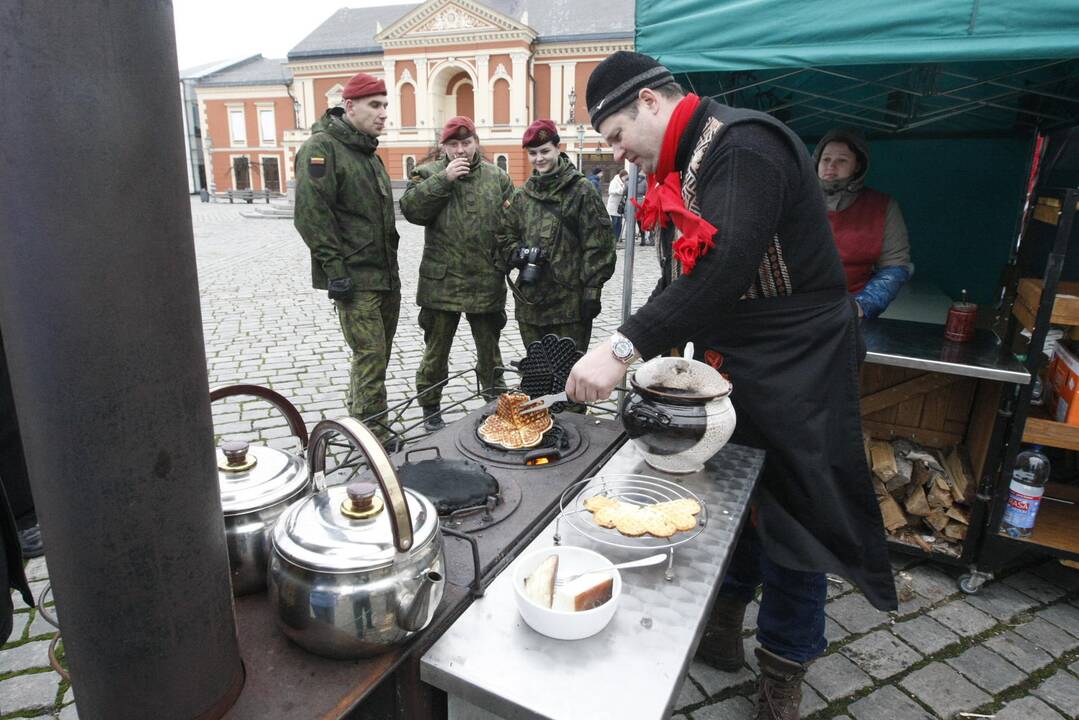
point(924, 493)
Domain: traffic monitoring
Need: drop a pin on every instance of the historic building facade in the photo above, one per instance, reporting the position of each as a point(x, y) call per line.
point(503, 63)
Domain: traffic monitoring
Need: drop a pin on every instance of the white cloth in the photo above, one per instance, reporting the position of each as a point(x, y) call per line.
point(615, 191)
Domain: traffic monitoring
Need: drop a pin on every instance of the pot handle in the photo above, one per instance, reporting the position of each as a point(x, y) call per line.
point(292, 415)
point(364, 439)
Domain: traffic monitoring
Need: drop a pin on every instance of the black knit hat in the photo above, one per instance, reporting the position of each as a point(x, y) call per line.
point(616, 81)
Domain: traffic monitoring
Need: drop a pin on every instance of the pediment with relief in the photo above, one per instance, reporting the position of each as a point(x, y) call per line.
point(450, 17)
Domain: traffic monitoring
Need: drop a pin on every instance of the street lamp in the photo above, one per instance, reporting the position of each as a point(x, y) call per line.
point(580, 148)
point(580, 127)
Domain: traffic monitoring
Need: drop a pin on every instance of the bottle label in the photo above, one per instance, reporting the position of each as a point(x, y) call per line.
point(1023, 503)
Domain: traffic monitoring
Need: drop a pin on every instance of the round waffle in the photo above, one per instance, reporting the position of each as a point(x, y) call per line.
point(509, 429)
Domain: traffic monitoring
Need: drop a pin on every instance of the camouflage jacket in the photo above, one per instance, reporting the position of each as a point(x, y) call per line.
point(563, 215)
point(461, 219)
point(344, 206)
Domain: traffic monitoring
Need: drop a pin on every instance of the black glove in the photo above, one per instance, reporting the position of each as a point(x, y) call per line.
point(517, 257)
point(339, 288)
point(589, 308)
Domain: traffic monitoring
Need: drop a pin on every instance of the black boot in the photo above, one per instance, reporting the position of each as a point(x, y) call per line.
point(779, 687)
point(721, 645)
point(432, 418)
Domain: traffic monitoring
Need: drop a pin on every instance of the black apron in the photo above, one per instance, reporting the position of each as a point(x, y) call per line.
point(793, 363)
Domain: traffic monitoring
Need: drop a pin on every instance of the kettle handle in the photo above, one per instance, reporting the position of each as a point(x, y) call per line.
point(364, 439)
point(292, 415)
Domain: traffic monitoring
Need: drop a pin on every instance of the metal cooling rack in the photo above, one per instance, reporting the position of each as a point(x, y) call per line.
point(633, 489)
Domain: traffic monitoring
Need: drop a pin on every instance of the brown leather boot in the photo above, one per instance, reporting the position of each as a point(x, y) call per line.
point(721, 644)
point(779, 687)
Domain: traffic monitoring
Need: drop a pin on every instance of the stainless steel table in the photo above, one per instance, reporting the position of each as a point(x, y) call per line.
point(922, 346)
point(492, 664)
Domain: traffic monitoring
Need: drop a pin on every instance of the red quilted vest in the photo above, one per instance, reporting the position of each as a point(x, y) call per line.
point(859, 235)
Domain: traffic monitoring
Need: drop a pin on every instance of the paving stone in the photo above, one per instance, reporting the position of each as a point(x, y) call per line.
point(835, 677)
point(931, 583)
point(833, 631)
point(1035, 587)
point(34, 654)
point(40, 626)
point(750, 620)
point(944, 690)
point(811, 702)
point(1047, 636)
point(26, 693)
point(36, 569)
point(688, 695)
point(1027, 708)
point(1001, 601)
point(887, 703)
point(987, 670)
point(1061, 690)
point(1064, 616)
point(915, 604)
point(925, 634)
point(716, 681)
point(962, 618)
point(19, 621)
point(68, 713)
point(855, 613)
point(838, 586)
point(1074, 667)
point(881, 654)
point(69, 696)
point(1059, 575)
point(1019, 651)
point(736, 708)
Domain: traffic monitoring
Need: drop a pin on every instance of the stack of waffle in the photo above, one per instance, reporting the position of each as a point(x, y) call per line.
point(508, 429)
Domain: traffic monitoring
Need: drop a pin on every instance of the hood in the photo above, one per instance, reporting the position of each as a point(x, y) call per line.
point(550, 185)
point(333, 122)
point(857, 142)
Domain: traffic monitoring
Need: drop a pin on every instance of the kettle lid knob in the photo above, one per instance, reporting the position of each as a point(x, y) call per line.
point(235, 451)
point(361, 502)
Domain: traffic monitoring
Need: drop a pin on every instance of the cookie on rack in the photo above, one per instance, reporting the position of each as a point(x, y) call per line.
point(598, 502)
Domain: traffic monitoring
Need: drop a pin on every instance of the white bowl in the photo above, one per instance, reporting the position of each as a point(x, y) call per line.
point(558, 624)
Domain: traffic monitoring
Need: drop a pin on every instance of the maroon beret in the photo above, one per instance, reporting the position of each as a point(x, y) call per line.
point(363, 85)
point(458, 128)
point(540, 132)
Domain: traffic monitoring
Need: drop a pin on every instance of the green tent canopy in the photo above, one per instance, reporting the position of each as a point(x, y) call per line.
point(950, 95)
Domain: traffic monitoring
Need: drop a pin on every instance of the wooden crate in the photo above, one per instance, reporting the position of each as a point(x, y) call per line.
point(931, 409)
point(1065, 308)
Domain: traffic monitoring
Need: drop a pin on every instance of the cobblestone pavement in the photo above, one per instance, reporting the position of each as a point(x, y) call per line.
point(1010, 652)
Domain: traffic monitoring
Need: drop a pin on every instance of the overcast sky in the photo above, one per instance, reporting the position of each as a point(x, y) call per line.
point(212, 30)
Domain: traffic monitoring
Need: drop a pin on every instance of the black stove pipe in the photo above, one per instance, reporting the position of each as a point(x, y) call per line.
point(100, 313)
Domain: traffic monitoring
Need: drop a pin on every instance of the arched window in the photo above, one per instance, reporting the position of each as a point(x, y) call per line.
point(503, 162)
point(408, 105)
point(410, 165)
point(502, 102)
point(465, 100)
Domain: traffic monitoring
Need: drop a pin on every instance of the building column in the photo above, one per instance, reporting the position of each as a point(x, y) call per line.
point(207, 150)
point(518, 113)
point(389, 76)
point(482, 93)
point(423, 99)
point(557, 103)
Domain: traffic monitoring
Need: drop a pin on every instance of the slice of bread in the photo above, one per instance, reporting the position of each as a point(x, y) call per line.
point(539, 586)
point(584, 593)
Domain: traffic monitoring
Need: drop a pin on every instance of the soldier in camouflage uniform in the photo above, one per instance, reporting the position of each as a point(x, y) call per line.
point(457, 198)
point(344, 212)
point(558, 211)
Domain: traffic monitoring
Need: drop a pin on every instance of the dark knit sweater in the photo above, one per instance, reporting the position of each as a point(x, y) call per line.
point(756, 181)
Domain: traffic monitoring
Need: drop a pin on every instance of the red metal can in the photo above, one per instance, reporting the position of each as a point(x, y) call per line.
point(961, 317)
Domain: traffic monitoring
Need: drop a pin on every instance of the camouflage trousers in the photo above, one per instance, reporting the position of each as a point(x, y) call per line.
point(439, 327)
point(579, 332)
point(368, 322)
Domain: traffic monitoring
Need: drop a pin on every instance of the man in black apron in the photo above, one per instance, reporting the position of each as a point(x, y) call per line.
point(757, 284)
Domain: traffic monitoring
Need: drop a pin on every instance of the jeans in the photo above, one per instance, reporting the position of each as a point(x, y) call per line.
point(790, 622)
point(616, 222)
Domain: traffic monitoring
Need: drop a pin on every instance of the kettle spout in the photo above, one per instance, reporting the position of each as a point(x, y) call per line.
point(415, 609)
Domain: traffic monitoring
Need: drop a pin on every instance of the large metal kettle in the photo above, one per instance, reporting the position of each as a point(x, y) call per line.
point(257, 484)
point(355, 570)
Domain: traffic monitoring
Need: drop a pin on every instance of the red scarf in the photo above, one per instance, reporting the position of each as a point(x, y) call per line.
point(664, 199)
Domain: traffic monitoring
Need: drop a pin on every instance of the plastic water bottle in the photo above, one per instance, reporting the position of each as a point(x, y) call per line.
point(1025, 493)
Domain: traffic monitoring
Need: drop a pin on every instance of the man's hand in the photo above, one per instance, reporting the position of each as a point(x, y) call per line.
point(595, 375)
point(458, 167)
point(339, 288)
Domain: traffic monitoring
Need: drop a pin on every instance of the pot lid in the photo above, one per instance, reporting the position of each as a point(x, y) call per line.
point(252, 477)
point(680, 380)
point(347, 528)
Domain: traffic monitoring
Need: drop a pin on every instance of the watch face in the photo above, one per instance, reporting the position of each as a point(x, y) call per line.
point(623, 348)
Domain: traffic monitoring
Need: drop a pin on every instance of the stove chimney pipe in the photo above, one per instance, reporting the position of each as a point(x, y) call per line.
point(100, 313)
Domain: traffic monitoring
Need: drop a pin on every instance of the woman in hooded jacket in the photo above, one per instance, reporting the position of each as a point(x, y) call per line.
point(557, 232)
point(867, 224)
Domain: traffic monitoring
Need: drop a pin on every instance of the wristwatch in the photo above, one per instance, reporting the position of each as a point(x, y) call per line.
point(622, 348)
